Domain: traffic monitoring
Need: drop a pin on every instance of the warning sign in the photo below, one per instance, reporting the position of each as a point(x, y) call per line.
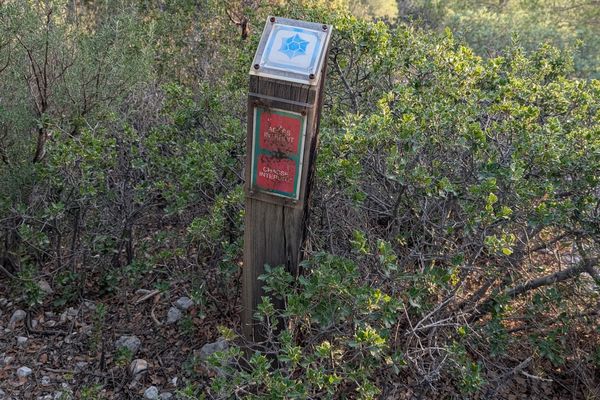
point(278, 147)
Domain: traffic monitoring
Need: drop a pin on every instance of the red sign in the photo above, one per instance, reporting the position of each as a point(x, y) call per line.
point(279, 133)
point(277, 151)
point(276, 174)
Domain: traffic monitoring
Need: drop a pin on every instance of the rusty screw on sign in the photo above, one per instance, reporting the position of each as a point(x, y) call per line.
point(324, 27)
point(311, 76)
point(256, 66)
point(272, 19)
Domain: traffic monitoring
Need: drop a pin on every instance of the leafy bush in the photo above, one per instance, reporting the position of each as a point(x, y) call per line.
point(492, 26)
point(455, 217)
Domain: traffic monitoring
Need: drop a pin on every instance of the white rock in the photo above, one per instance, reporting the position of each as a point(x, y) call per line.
point(45, 286)
point(62, 395)
point(8, 360)
point(132, 342)
point(183, 303)
point(24, 372)
point(17, 316)
point(166, 396)
point(151, 393)
point(45, 380)
point(173, 315)
point(210, 348)
point(69, 314)
point(138, 366)
point(80, 366)
point(22, 340)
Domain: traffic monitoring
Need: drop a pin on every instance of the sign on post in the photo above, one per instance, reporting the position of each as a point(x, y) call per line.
point(278, 147)
point(292, 50)
point(284, 106)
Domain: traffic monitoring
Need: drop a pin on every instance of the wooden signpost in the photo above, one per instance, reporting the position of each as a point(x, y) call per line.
point(284, 106)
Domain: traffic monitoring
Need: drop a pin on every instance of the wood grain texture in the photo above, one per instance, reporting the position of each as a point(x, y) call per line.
point(275, 228)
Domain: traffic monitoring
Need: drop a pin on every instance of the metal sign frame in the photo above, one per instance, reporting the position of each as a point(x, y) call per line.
point(260, 152)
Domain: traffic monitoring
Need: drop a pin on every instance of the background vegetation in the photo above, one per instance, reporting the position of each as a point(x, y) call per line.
point(454, 240)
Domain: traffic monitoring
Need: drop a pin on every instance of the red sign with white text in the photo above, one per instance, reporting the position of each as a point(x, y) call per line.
point(277, 151)
point(276, 174)
point(280, 133)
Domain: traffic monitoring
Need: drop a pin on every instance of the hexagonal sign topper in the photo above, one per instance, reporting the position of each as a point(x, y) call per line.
point(291, 50)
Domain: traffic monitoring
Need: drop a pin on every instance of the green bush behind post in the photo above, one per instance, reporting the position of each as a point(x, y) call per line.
point(457, 171)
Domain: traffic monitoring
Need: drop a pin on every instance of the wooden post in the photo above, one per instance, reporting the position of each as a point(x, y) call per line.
point(284, 106)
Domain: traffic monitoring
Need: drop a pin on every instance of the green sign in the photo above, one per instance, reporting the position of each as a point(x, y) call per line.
point(277, 151)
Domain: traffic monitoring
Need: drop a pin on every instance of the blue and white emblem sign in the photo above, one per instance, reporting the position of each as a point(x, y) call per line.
point(291, 50)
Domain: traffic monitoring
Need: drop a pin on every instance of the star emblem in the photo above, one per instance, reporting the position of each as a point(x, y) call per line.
point(293, 46)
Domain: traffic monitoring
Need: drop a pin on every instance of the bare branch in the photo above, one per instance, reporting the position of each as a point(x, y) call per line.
point(559, 276)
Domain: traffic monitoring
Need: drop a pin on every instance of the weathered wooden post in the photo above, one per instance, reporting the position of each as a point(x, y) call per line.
point(284, 105)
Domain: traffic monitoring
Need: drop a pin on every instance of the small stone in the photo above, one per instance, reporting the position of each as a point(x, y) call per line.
point(24, 372)
point(63, 394)
point(2, 394)
point(90, 305)
point(50, 323)
point(69, 314)
point(138, 366)
point(17, 316)
point(45, 286)
point(45, 380)
point(22, 340)
point(166, 396)
point(132, 343)
point(173, 315)
point(8, 360)
point(3, 301)
point(183, 303)
point(210, 348)
point(80, 366)
point(151, 393)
